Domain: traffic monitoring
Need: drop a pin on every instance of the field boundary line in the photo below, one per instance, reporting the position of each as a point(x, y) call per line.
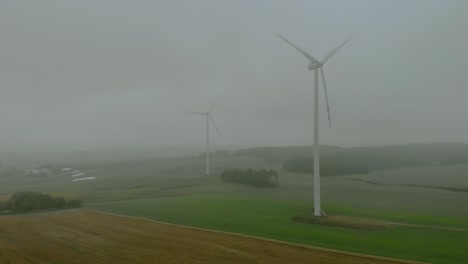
point(329, 250)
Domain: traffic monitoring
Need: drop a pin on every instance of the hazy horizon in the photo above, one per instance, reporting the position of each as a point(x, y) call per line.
point(90, 75)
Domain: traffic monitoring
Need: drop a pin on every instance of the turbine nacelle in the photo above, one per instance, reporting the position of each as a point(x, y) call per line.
point(314, 65)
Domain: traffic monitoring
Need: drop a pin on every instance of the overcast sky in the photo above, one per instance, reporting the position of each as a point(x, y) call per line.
point(89, 73)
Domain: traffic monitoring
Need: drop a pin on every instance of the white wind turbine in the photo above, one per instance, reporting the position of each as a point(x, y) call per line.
point(209, 119)
point(317, 65)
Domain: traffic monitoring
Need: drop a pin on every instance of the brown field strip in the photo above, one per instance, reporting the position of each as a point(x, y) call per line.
point(85, 236)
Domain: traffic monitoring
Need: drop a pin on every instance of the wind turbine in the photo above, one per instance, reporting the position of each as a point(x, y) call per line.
point(317, 65)
point(209, 119)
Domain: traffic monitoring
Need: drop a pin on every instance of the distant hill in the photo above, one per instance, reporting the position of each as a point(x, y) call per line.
point(384, 157)
point(281, 154)
point(328, 167)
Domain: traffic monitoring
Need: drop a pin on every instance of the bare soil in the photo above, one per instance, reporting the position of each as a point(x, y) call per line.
point(84, 236)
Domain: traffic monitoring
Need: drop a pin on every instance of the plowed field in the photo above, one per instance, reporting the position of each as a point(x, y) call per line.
point(84, 236)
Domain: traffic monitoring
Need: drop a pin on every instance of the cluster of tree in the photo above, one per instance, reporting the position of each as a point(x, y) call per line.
point(258, 178)
point(328, 167)
point(460, 157)
point(33, 201)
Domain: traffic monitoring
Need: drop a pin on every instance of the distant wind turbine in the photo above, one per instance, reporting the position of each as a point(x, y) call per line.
point(209, 119)
point(317, 65)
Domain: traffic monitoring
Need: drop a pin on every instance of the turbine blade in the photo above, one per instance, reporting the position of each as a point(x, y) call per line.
point(213, 105)
point(214, 124)
point(305, 54)
point(326, 94)
point(333, 52)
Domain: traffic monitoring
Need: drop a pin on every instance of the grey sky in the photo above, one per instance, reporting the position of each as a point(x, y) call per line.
point(101, 73)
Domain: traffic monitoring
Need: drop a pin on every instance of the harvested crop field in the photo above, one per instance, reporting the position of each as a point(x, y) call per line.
point(85, 236)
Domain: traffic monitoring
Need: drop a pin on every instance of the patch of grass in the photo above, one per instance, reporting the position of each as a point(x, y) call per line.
point(272, 219)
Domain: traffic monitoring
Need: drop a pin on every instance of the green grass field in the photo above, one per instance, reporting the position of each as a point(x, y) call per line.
point(175, 190)
point(271, 218)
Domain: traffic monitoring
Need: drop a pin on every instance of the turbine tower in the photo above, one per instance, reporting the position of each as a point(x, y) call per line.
point(209, 119)
point(317, 65)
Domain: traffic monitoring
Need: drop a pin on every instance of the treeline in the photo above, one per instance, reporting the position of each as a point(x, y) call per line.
point(281, 154)
point(258, 178)
point(328, 167)
point(373, 158)
point(21, 202)
point(460, 157)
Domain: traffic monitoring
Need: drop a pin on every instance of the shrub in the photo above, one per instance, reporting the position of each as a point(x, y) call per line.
point(33, 201)
point(3, 206)
point(59, 202)
point(258, 178)
point(74, 203)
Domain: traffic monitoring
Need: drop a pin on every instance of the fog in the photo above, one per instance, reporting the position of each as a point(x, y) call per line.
point(99, 74)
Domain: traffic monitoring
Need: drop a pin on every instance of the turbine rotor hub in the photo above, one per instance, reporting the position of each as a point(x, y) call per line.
point(314, 65)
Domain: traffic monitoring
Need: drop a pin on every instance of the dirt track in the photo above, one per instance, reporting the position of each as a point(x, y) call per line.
point(84, 236)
